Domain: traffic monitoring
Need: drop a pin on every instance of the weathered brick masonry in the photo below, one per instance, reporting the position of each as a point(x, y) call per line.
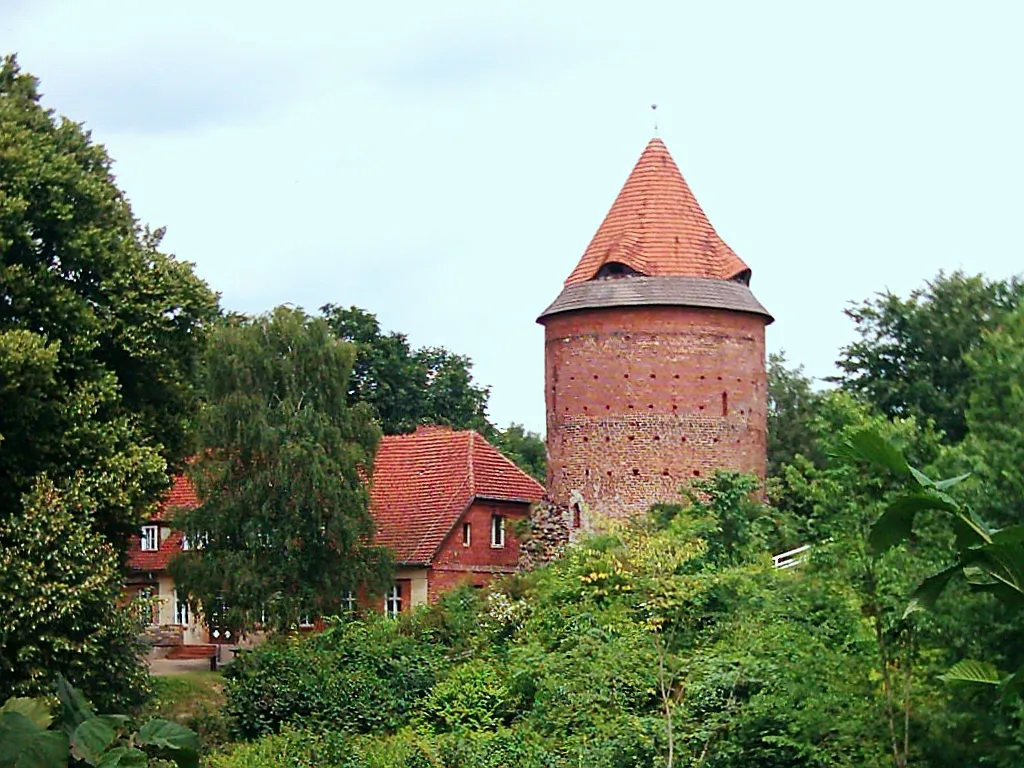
point(643, 399)
point(654, 354)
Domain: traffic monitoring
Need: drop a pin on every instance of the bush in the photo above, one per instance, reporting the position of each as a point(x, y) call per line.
point(474, 694)
point(364, 677)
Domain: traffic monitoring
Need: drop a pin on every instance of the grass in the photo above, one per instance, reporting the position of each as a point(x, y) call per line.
point(196, 700)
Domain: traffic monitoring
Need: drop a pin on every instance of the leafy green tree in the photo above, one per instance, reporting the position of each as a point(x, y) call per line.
point(59, 586)
point(910, 357)
point(525, 448)
point(100, 331)
point(995, 447)
point(407, 387)
point(792, 406)
point(284, 526)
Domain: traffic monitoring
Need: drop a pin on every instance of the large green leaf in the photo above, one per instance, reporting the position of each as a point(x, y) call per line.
point(949, 482)
point(869, 446)
point(970, 529)
point(74, 709)
point(25, 744)
point(123, 757)
point(972, 671)
point(924, 596)
point(174, 741)
point(1013, 685)
point(36, 710)
point(897, 522)
point(1000, 570)
point(91, 739)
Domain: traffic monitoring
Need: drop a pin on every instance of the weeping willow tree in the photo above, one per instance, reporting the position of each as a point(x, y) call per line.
point(284, 528)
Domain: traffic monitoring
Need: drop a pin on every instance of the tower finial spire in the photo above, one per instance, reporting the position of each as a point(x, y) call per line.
point(654, 109)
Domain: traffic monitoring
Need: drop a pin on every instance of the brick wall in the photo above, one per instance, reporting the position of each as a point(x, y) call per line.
point(476, 564)
point(641, 400)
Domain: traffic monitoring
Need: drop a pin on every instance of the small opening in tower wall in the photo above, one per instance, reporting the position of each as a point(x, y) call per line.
point(696, 473)
point(725, 403)
point(615, 269)
point(576, 515)
point(636, 473)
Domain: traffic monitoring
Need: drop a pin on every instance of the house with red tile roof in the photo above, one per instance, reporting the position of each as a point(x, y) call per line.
point(148, 557)
point(443, 501)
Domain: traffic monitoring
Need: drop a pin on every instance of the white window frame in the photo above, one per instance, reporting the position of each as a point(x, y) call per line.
point(182, 616)
point(393, 601)
point(497, 531)
point(150, 539)
point(467, 534)
point(186, 544)
point(305, 620)
point(348, 602)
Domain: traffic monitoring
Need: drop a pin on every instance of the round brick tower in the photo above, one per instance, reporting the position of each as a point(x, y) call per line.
point(654, 354)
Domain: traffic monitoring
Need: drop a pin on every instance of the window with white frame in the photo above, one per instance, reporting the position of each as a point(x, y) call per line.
point(467, 534)
point(150, 538)
point(305, 620)
point(348, 602)
point(181, 615)
point(393, 601)
point(497, 531)
point(186, 543)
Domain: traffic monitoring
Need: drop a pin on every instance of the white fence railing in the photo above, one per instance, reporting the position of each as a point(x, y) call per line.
point(790, 559)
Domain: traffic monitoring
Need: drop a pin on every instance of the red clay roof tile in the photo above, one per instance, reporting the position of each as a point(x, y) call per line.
point(423, 482)
point(657, 227)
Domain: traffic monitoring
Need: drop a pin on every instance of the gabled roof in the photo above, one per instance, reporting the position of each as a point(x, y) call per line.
point(180, 496)
point(657, 228)
point(423, 482)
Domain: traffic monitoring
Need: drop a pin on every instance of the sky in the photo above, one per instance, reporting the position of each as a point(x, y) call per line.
point(444, 164)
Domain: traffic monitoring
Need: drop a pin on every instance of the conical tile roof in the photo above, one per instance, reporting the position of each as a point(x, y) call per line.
point(657, 228)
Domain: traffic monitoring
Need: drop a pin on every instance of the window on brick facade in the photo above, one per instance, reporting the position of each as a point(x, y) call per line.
point(467, 534)
point(150, 538)
point(393, 601)
point(348, 602)
point(305, 620)
point(497, 531)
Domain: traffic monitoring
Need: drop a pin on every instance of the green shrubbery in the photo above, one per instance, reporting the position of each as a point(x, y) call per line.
point(671, 632)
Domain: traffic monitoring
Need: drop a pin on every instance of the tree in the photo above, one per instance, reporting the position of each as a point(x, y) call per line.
point(525, 448)
point(910, 358)
point(284, 527)
point(100, 330)
point(792, 407)
point(99, 337)
point(407, 387)
point(59, 583)
point(996, 421)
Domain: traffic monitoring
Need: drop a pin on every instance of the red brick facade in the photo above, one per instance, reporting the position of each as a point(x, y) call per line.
point(477, 563)
point(641, 400)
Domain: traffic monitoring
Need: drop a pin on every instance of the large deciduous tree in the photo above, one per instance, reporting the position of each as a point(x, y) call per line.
point(101, 331)
point(793, 405)
point(910, 357)
point(407, 387)
point(284, 527)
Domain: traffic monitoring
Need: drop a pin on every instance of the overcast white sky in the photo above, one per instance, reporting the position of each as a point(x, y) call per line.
point(444, 164)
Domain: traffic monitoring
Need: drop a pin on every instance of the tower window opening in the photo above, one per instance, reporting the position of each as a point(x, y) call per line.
point(725, 403)
point(614, 270)
point(576, 515)
point(636, 473)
